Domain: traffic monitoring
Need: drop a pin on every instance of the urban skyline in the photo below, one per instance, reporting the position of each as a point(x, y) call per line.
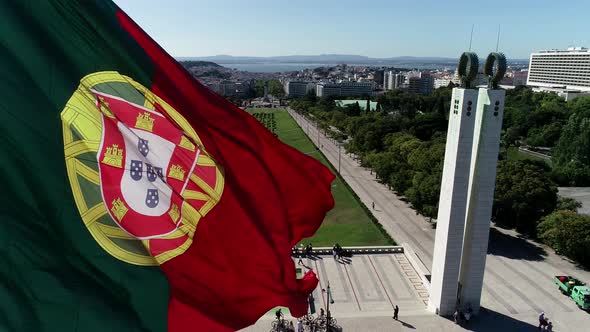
point(265, 28)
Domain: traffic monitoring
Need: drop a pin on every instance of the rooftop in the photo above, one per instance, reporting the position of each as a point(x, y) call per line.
point(577, 49)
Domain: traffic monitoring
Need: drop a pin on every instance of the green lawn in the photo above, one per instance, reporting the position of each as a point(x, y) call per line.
point(514, 154)
point(347, 223)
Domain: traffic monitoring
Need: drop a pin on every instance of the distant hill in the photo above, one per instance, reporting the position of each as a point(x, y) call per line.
point(332, 59)
point(195, 63)
point(322, 58)
point(204, 69)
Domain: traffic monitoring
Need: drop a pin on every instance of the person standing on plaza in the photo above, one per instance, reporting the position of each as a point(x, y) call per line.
point(395, 312)
point(299, 325)
point(279, 315)
point(300, 253)
point(542, 320)
point(549, 327)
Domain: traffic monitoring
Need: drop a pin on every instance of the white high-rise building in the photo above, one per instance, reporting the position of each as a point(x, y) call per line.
point(441, 82)
point(560, 69)
point(392, 81)
point(398, 80)
point(388, 80)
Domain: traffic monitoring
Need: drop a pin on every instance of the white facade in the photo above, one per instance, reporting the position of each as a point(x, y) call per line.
point(398, 80)
point(453, 203)
point(388, 80)
point(567, 69)
point(392, 81)
point(441, 82)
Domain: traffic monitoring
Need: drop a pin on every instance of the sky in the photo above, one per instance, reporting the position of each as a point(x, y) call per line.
point(374, 28)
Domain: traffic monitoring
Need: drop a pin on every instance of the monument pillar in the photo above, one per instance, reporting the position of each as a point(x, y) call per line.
point(452, 205)
point(482, 180)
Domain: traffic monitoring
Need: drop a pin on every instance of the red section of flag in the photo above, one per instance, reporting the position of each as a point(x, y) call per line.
point(239, 265)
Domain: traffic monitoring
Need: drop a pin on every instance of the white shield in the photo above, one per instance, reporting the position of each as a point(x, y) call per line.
point(138, 192)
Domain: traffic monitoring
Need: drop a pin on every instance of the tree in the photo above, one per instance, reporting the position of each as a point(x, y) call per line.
point(426, 124)
point(353, 109)
point(275, 88)
point(568, 233)
point(567, 203)
point(384, 164)
point(524, 194)
point(546, 135)
point(440, 106)
point(571, 155)
point(511, 137)
point(572, 173)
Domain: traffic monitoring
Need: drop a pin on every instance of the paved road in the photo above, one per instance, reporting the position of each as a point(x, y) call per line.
point(518, 279)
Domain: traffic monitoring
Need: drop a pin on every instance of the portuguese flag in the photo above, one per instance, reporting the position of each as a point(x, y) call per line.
point(132, 197)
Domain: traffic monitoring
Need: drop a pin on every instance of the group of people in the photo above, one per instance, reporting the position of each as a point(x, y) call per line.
point(302, 250)
point(544, 323)
point(284, 326)
point(287, 327)
point(460, 316)
point(337, 251)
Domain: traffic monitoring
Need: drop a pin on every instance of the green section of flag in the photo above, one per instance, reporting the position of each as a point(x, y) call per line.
point(53, 275)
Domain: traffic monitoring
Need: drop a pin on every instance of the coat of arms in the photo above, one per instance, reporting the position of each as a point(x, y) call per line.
point(140, 175)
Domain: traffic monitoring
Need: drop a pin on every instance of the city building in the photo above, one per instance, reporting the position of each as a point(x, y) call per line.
point(519, 77)
point(378, 76)
point(357, 88)
point(420, 82)
point(456, 79)
point(426, 83)
point(392, 80)
point(345, 89)
point(414, 84)
point(328, 89)
point(296, 89)
point(565, 72)
point(398, 80)
point(229, 88)
point(441, 82)
point(387, 80)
